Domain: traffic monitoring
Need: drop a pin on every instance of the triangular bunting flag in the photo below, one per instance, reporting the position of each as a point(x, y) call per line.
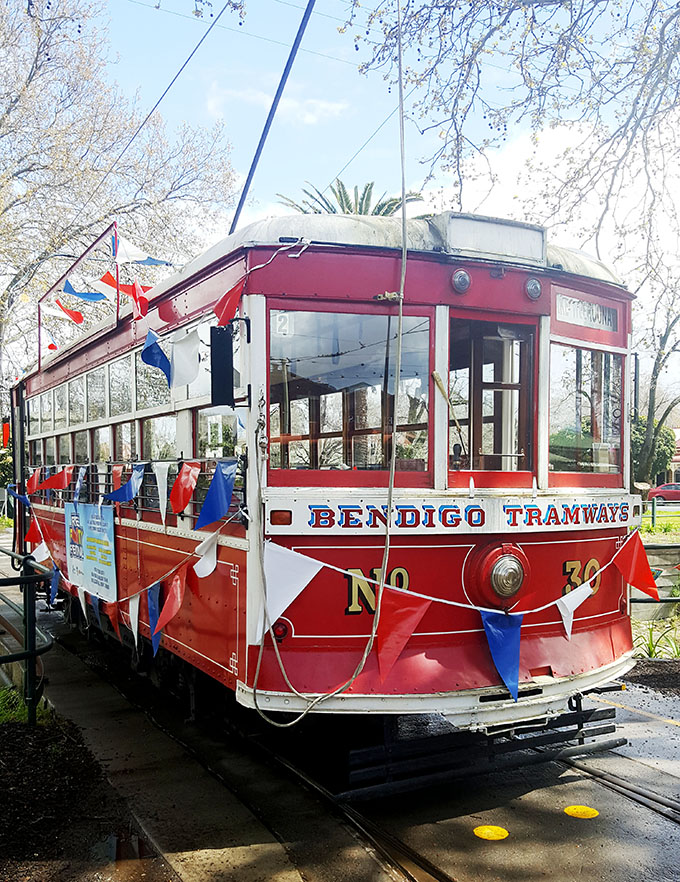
point(503, 636)
point(218, 498)
point(400, 615)
point(54, 584)
point(128, 491)
point(126, 252)
point(140, 304)
point(20, 497)
point(175, 595)
point(94, 600)
point(184, 485)
point(287, 573)
point(107, 286)
point(569, 603)
point(60, 481)
point(160, 470)
point(226, 307)
point(41, 553)
point(184, 361)
point(153, 355)
point(111, 610)
point(631, 561)
point(73, 314)
point(52, 345)
point(34, 535)
point(152, 596)
point(207, 551)
point(133, 609)
point(90, 296)
point(33, 481)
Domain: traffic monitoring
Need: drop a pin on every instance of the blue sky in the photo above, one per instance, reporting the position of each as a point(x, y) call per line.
point(327, 112)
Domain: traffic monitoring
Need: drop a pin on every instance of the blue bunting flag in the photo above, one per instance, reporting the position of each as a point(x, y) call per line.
point(19, 496)
point(128, 491)
point(502, 634)
point(152, 598)
point(218, 497)
point(94, 600)
point(54, 584)
point(91, 296)
point(153, 355)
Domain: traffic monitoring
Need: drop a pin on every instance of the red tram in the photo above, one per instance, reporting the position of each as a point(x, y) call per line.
point(511, 464)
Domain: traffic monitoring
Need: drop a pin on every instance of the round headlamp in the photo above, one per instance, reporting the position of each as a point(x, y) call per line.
point(507, 575)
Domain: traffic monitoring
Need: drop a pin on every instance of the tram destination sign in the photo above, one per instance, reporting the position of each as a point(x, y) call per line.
point(447, 516)
point(585, 313)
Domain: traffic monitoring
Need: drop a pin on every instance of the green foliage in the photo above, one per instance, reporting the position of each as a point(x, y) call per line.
point(664, 448)
point(651, 643)
point(357, 203)
point(13, 709)
point(6, 466)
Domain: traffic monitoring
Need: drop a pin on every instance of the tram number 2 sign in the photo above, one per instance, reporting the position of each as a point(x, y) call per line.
point(577, 573)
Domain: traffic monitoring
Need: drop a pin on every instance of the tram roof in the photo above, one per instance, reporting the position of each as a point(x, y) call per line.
point(449, 233)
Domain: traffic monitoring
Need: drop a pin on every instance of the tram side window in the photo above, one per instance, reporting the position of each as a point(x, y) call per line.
point(64, 449)
point(125, 442)
point(60, 407)
point(50, 452)
point(120, 387)
point(33, 407)
point(585, 410)
point(332, 384)
point(491, 395)
point(35, 453)
point(152, 386)
point(216, 433)
point(76, 401)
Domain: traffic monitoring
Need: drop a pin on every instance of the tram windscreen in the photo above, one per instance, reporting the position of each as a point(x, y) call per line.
point(585, 410)
point(491, 396)
point(332, 391)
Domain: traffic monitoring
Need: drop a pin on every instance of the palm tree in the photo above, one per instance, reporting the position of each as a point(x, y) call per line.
point(317, 203)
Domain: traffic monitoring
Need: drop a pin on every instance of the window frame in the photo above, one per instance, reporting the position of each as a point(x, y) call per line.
point(279, 477)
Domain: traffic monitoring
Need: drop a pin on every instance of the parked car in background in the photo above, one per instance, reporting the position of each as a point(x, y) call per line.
point(665, 492)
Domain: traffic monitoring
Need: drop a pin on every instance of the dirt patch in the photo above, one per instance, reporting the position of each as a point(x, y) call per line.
point(663, 675)
point(60, 820)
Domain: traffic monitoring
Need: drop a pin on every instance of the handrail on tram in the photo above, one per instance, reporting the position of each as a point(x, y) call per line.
point(35, 641)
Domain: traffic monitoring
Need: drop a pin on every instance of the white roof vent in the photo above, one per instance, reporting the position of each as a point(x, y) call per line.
point(486, 237)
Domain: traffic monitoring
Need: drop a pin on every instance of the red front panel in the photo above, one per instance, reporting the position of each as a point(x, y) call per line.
point(330, 621)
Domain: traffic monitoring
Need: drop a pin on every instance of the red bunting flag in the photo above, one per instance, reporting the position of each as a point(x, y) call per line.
point(73, 314)
point(34, 535)
point(111, 610)
point(226, 306)
point(184, 486)
point(140, 304)
point(117, 471)
point(173, 602)
point(109, 280)
point(5, 434)
point(33, 481)
point(60, 481)
point(631, 561)
point(400, 615)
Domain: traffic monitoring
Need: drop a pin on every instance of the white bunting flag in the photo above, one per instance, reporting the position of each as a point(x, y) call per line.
point(208, 553)
point(569, 603)
point(41, 553)
point(134, 616)
point(184, 359)
point(160, 470)
point(127, 252)
point(287, 573)
point(83, 601)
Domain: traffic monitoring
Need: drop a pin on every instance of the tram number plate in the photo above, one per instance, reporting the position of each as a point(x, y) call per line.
point(577, 573)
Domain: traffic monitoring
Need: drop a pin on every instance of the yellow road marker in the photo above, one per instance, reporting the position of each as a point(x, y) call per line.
point(635, 711)
point(488, 831)
point(581, 811)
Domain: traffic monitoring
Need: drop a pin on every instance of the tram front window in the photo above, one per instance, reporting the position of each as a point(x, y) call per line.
point(332, 385)
point(491, 396)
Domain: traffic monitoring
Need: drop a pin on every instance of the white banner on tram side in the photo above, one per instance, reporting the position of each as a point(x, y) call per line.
point(367, 516)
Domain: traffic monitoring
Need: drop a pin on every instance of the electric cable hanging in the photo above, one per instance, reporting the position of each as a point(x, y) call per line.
point(318, 699)
point(149, 115)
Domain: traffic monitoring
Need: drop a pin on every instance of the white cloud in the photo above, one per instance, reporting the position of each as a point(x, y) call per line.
point(308, 111)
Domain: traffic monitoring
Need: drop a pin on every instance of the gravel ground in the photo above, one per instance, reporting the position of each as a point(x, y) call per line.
point(60, 821)
point(662, 675)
